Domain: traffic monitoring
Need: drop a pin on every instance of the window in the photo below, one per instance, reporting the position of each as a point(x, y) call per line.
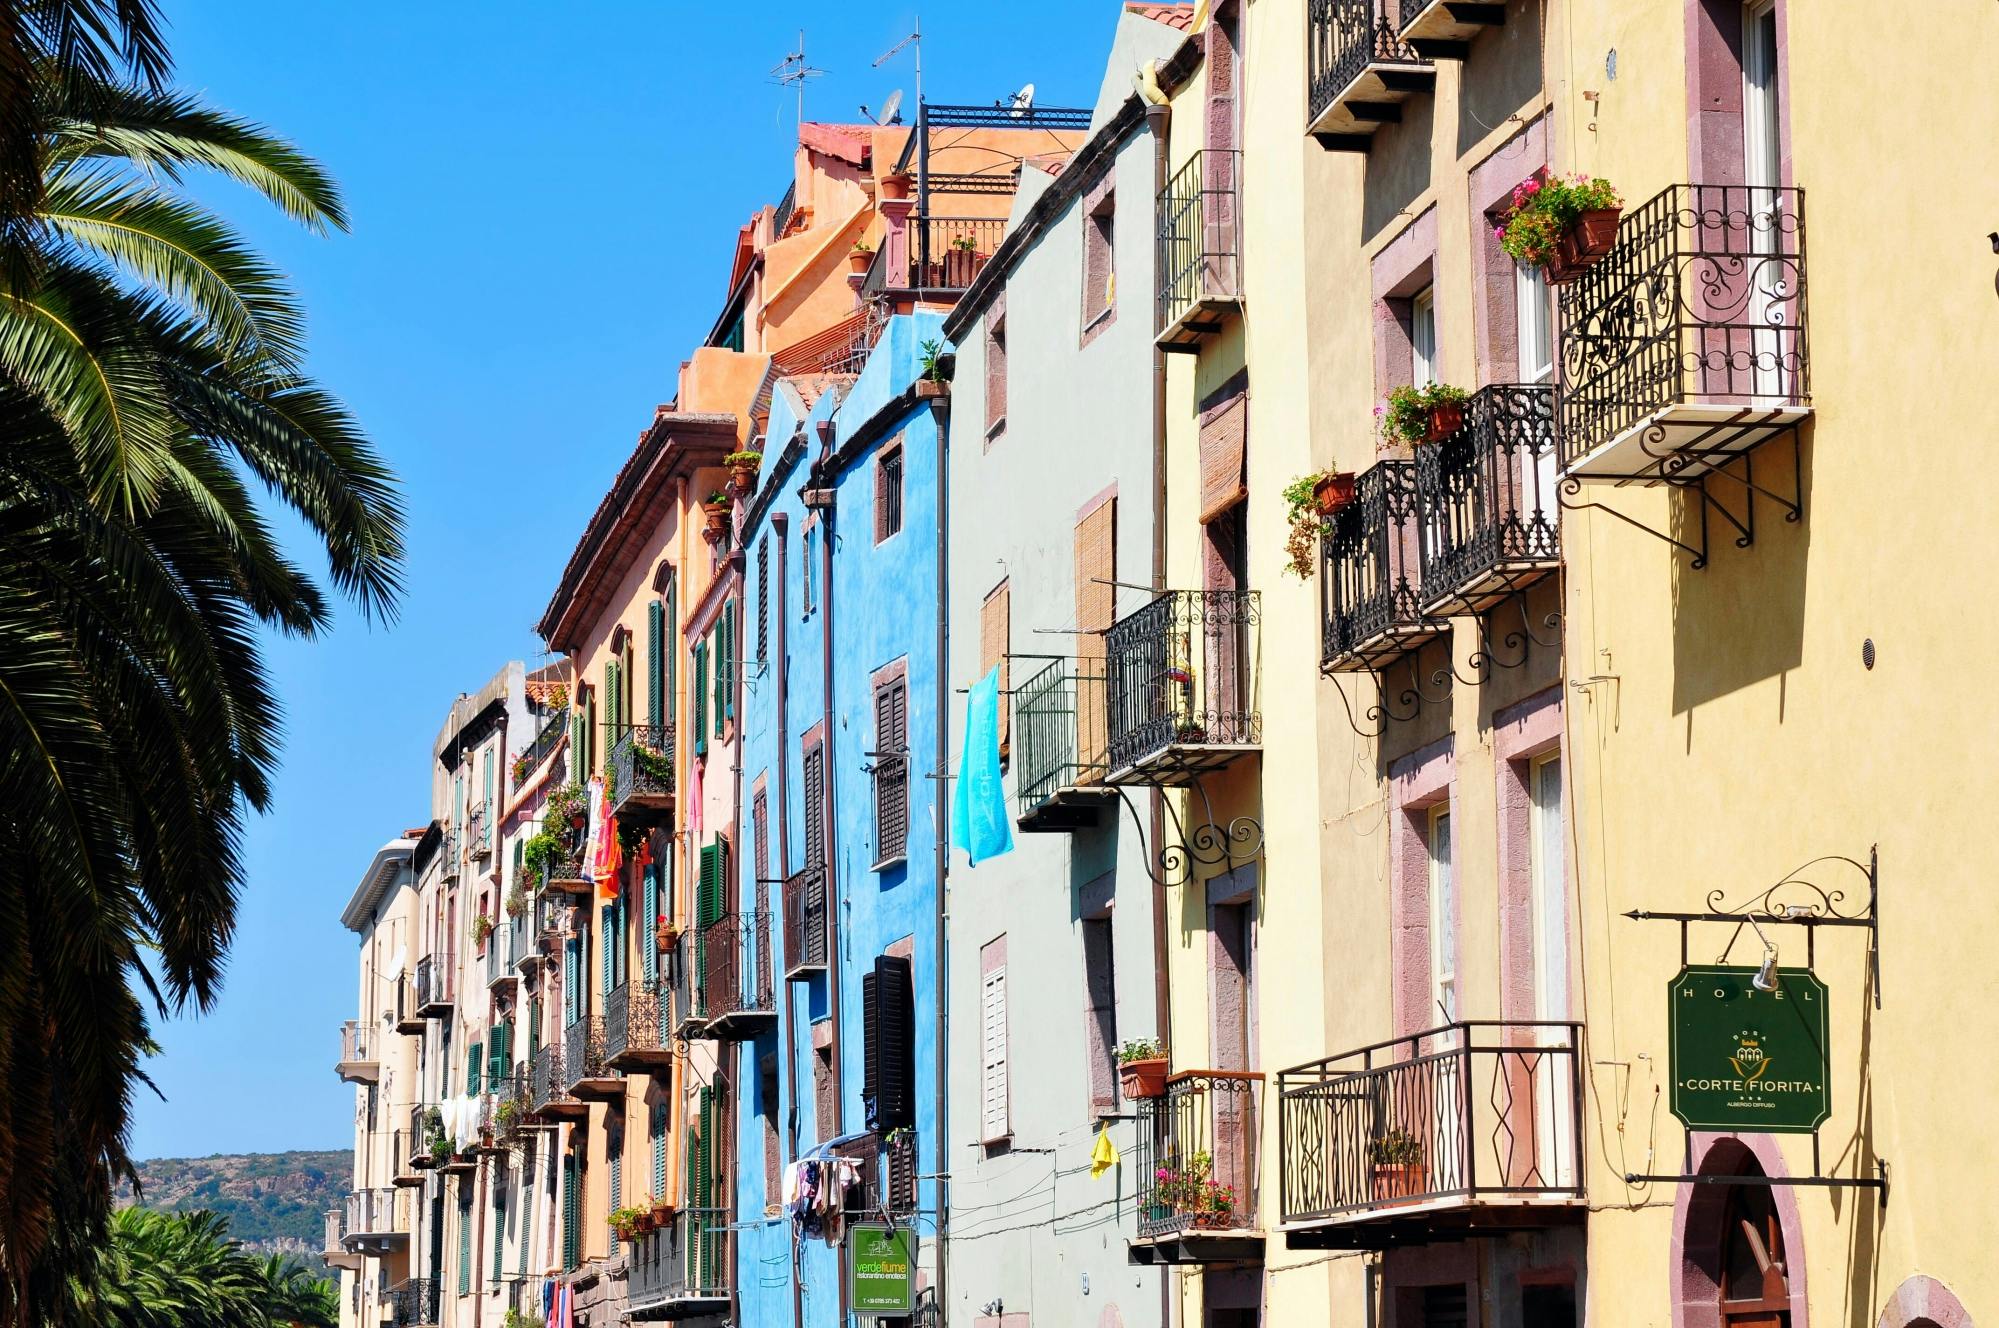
point(1532, 313)
point(995, 634)
point(499, 1226)
point(1423, 337)
point(995, 373)
point(814, 791)
point(614, 1161)
point(572, 1217)
point(1443, 918)
point(763, 598)
point(888, 1036)
point(1755, 1285)
point(1546, 845)
point(993, 1121)
point(1100, 259)
point(1095, 563)
point(773, 1150)
point(464, 1240)
point(656, 664)
point(1100, 1025)
point(656, 1125)
point(891, 765)
point(888, 493)
point(808, 569)
point(701, 698)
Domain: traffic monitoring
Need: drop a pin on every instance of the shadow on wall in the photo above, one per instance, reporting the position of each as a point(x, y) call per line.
point(1741, 619)
point(1397, 166)
point(1415, 692)
point(1502, 76)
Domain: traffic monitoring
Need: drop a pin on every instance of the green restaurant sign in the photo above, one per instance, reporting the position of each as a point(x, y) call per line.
point(881, 1269)
point(1749, 1060)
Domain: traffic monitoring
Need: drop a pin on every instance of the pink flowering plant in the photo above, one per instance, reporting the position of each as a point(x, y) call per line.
point(1545, 206)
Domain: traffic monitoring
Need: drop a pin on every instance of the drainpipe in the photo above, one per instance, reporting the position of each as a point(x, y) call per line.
point(940, 414)
point(824, 501)
point(782, 522)
point(1157, 120)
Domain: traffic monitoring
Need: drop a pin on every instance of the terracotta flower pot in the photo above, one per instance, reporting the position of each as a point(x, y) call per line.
point(1586, 240)
point(1144, 1078)
point(1400, 1181)
point(742, 479)
point(926, 388)
point(895, 185)
point(858, 261)
point(958, 270)
point(1445, 420)
point(717, 522)
point(1333, 491)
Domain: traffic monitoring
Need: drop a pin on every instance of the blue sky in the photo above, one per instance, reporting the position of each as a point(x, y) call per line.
point(543, 201)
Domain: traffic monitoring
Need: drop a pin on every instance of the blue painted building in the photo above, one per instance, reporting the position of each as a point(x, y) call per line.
point(838, 821)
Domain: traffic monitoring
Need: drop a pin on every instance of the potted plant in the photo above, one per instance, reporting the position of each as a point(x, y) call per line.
point(1412, 415)
point(896, 184)
point(441, 1147)
point(624, 1221)
point(930, 380)
point(1313, 500)
point(1215, 1205)
point(743, 470)
point(860, 256)
point(507, 1115)
point(516, 1319)
point(1396, 1156)
point(1141, 1068)
point(517, 898)
point(1562, 226)
point(665, 933)
point(959, 261)
point(716, 509)
point(662, 1213)
point(482, 927)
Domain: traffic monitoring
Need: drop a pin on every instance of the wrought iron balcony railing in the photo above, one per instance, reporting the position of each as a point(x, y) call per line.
point(546, 739)
point(681, 1015)
point(1685, 346)
point(1060, 743)
point(1359, 71)
point(1197, 1167)
point(447, 852)
point(683, 1269)
point(415, 1142)
point(1370, 582)
point(635, 1038)
point(1472, 1124)
point(734, 993)
point(1199, 235)
point(478, 833)
point(583, 1060)
point(1490, 521)
point(408, 1018)
point(885, 1186)
point(436, 984)
point(642, 770)
point(946, 253)
point(548, 1085)
point(358, 1063)
point(805, 909)
point(413, 1303)
point(1184, 685)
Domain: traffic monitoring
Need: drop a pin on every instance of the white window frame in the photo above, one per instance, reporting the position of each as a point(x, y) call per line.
point(994, 1088)
point(1533, 323)
point(1423, 337)
point(1438, 847)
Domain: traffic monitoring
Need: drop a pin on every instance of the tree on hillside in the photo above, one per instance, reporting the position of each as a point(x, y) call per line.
point(154, 415)
point(181, 1270)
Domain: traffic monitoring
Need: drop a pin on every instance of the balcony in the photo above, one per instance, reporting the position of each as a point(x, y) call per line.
point(681, 1271)
point(732, 962)
point(1468, 1128)
point(642, 772)
point(589, 1073)
point(565, 869)
point(409, 1019)
point(415, 1151)
point(1360, 72)
point(511, 1114)
point(548, 1088)
point(413, 1303)
point(938, 255)
point(335, 1251)
point(805, 939)
point(436, 976)
point(1444, 29)
point(1060, 747)
point(478, 832)
point(885, 1187)
point(404, 1150)
point(448, 863)
point(1199, 231)
point(1197, 1169)
point(1490, 522)
point(1370, 578)
point(635, 1039)
point(1183, 683)
point(357, 1063)
point(376, 1221)
point(1684, 348)
point(546, 739)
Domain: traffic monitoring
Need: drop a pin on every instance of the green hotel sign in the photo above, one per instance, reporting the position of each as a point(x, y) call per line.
point(881, 1269)
point(1749, 1060)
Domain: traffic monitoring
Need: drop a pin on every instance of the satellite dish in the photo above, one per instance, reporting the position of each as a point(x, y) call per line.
point(891, 113)
point(1023, 101)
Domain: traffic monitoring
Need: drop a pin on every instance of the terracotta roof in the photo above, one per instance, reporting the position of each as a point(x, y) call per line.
point(1179, 16)
point(834, 141)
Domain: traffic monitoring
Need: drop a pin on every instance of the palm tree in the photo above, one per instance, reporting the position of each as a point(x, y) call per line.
point(150, 384)
point(181, 1270)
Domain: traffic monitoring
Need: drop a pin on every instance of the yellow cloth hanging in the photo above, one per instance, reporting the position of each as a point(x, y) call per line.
point(1105, 1155)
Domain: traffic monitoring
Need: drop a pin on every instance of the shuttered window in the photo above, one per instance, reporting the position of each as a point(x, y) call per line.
point(464, 1238)
point(499, 1225)
point(888, 1035)
point(572, 980)
point(1224, 439)
point(760, 834)
point(888, 493)
point(993, 1119)
point(648, 920)
point(655, 663)
point(815, 805)
point(995, 635)
point(700, 698)
point(614, 693)
point(525, 1219)
point(616, 1162)
point(670, 648)
point(891, 762)
point(1096, 606)
point(808, 572)
point(763, 598)
point(725, 667)
point(572, 1218)
point(472, 1068)
point(590, 733)
point(658, 1126)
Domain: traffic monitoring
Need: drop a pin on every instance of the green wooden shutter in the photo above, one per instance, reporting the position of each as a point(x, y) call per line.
point(472, 1068)
point(525, 1218)
point(670, 635)
point(725, 667)
point(658, 1151)
point(499, 1230)
point(590, 732)
point(578, 767)
point(655, 664)
point(706, 1193)
point(571, 1219)
point(648, 920)
point(572, 983)
point(700, 698)
point(464, 1238)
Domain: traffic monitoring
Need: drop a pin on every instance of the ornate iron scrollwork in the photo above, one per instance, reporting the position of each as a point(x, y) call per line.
point(1210, 849)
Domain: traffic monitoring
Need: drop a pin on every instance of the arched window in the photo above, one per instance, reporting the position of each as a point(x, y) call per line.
point(1755, 1290)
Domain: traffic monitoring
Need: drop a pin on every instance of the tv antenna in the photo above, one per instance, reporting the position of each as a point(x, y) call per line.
point(915, 39)
point(793, 71)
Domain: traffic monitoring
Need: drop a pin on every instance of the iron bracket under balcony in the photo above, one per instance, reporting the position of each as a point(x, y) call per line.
point(1361, 72)
point(1444, 29)
point(1183, 682)
point(1472, 1128)
point(1370, 578)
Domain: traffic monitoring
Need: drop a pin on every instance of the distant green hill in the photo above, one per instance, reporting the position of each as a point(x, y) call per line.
point(275, 1202)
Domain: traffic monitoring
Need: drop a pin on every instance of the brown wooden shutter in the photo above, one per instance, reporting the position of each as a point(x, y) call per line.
point(1096, 606)
point(995, 634)
point(891, 769)
point(1224, 435)
point(815, 805)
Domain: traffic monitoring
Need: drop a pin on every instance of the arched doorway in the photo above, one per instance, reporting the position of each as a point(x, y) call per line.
point(1739, 1261)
